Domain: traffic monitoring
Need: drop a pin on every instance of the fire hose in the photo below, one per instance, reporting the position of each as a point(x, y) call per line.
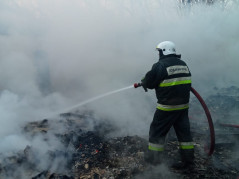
point(208, 149)
point(229, 125)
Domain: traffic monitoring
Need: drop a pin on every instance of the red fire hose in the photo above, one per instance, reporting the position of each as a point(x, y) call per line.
point(209, 150)
point(229, 125)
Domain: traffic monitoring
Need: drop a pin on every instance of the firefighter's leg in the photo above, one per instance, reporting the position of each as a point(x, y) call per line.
point(186, 145)
point(158, 130)
point(154, 153)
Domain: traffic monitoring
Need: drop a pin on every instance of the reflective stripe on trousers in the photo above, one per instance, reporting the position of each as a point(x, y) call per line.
point(156, 147)
point(164, 107)
point(186, 145)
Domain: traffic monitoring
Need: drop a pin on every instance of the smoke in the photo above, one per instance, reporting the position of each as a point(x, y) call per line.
point(55, 54)
point(160, 171)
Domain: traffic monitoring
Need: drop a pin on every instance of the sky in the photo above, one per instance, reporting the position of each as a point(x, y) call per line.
point(54, 54)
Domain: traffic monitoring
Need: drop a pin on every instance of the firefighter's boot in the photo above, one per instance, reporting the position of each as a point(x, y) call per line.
point(153, 157)
point(187, 160)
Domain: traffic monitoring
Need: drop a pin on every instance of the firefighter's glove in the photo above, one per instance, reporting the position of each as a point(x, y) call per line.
point(145, 88)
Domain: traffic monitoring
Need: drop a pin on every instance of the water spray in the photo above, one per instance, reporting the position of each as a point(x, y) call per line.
point(98, 97)
point(208, 149)
point(90, 100)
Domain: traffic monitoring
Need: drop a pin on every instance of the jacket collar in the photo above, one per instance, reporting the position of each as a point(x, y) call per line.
point(171, 55)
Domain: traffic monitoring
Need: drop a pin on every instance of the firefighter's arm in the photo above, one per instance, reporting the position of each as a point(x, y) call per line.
point(153, 77)
point(148, 82)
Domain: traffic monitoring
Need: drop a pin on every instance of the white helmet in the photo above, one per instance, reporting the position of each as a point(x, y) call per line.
point(167, 47)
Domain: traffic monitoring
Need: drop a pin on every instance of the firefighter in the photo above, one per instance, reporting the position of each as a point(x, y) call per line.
point(171, 79)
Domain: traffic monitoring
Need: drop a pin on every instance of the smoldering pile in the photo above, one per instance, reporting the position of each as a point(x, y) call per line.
point(85, 153)
point(87, 150)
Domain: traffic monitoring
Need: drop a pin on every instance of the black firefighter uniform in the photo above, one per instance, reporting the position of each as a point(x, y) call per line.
point(171, 79)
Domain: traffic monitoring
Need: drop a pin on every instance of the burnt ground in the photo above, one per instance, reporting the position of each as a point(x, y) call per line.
point(91, 153)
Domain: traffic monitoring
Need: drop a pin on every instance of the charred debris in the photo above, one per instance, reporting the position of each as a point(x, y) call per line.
point(85, 150)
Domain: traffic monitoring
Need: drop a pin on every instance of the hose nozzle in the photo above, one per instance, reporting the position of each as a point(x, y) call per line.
point(136, 85)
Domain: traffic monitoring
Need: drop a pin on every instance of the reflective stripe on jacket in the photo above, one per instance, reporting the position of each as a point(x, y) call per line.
point(172, 107)
point(171, 79)
point(175, 81)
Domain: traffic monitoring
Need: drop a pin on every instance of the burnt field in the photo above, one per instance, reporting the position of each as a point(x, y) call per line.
point(81, 146)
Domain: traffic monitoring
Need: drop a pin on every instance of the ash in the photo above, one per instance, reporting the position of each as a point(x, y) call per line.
point(86, 150)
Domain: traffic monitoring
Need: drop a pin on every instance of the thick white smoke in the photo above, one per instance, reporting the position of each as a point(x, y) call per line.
point(54, 54)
